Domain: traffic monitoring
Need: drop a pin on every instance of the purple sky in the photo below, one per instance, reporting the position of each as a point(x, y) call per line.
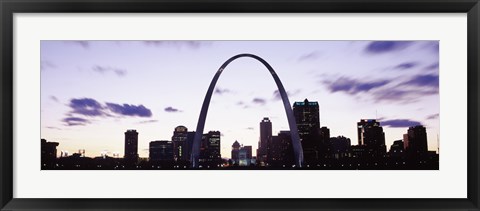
point(93, 91)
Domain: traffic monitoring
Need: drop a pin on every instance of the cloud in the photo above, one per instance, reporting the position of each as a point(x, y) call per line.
point(44, 65)
point(82, 43)
point(86, 107)
point(353, 86)
point(276, 94)
point(377, 47)
point(75, 121)
point(104, 69)
point(259, 101)
point(400, 95)
point(53, 128)
point(129, 110)
point(433, 46)
point(250, 128)
point(53, 98)
point(405, 66)
point(221, 91)
point(400, 123)
point(411, 90)
point(430, 80)
point(177, 44)
point(148, 121)
point(433, 66)
point(309, 56)
point(433, 116)
point(172, 110)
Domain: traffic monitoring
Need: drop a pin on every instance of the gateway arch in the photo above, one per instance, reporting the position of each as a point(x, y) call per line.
point(297, 146)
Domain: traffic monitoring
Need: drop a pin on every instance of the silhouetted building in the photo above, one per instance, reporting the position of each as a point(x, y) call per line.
point(339, 147)
point(235, 151)
point(49, 154)
point(280, 151)
point(265, 137)
point(179, 139)
point(372, 138)
point(131, 147)
point(325, 134)
point(245, 156)
point(161, 151)
point(417, 141)
point(307, 117)
point(210, 156)
point(397, 149)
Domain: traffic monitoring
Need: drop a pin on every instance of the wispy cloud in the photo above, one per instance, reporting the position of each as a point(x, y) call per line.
point(259, 101)
point(221, 91)
point(400, 123)
point(82, 43)
point(53, 98)
point(353, 86)
point(401, 95)
point(44, 65)
point(430, 80)
point(148, 121)
point(172, 109)
point(177, 44)
point(129, 110)
point(309, 56)
point(433, 66)
point(75, 121)
point(105, 69)
point(250, 128)
point(377, 47)
point(90, 108)
point(433, 116)
point(277, 96)
point(86, 107)
point(406, 66)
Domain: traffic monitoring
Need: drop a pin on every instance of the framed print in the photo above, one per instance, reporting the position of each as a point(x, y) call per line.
point(259, 105)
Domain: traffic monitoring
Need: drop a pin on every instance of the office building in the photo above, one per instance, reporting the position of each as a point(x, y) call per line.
point(417, 141)
point(372, 138)
point(235, 151)
point(161, 151)
point(210, 156)
point(48, 154)
point(265, 137)
point(307, 117)
point(179, 139)
point(131, 147)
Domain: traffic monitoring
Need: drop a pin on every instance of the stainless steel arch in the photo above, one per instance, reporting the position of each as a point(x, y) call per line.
point(297, 146)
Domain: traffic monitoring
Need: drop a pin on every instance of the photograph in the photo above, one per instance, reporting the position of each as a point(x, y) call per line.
point(239, 105)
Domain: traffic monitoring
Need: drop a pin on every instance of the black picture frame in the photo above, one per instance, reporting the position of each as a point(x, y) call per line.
point(10, 7)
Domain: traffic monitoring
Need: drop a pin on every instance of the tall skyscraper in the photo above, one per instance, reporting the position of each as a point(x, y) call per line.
point(131, 147)
point(265, 136)
point(372, 138)
point(179, 140)
point(417, 141)
point(307, 117)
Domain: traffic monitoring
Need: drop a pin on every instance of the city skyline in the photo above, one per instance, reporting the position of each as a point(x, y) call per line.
point(82, 115)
